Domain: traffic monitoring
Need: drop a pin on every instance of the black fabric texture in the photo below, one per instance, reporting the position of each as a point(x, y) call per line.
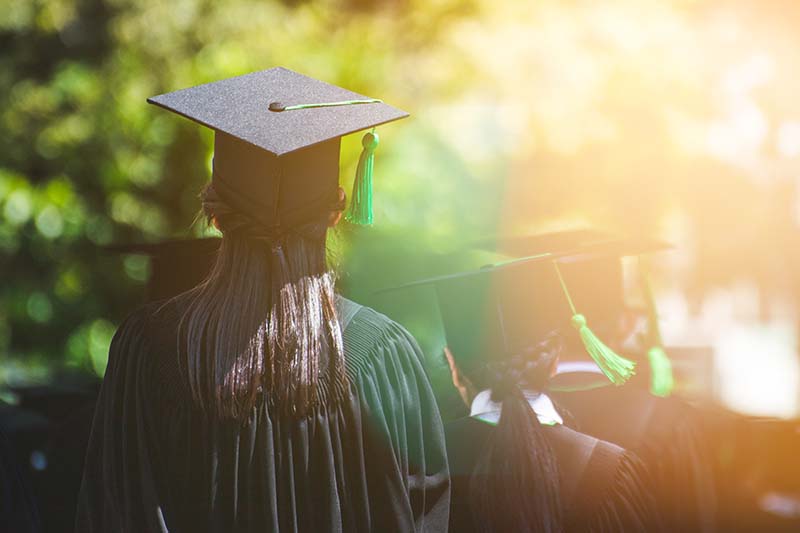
point(376, 462)
point(276, 193)
point(18, 513)
point(667, 434)
point(603, 487)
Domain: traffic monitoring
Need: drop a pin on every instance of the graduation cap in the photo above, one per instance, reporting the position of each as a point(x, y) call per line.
point(176, 266)
point(539, 243)
point(591, 269)
point(276, 143)
point(505, 308)
point(595, 284)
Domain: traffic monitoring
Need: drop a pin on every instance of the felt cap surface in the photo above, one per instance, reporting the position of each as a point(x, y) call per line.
point(240, 107)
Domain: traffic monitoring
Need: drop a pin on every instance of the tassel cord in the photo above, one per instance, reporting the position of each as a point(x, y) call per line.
point(662, 380)
point(653, 326)
point(617, 369)
point(564, 288)
point(332, 104)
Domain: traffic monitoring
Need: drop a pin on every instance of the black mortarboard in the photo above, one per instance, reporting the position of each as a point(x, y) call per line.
point(176, 266)
point(594, 283)
point(499, 310)
point(540, 243)
point(594, 274)
point(509, 307)
point(276, 145)
point(575, 241)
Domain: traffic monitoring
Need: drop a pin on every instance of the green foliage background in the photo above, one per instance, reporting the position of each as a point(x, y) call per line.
point(86, 163)
point(522, 113)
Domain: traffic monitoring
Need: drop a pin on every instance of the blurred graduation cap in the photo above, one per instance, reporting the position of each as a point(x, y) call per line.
point(175, 266)
point(276, 143)
point(595, 281)
point(577, 242)
point(596, 278)
point(505, 308)
point(539, 243)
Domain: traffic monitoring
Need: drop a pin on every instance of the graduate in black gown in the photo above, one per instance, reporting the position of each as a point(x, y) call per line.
point(260, 400)
point(515, 465)
point(666, 432)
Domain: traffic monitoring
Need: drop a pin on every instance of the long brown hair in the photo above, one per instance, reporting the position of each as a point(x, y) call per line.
point(515, 485)
point(264, 322)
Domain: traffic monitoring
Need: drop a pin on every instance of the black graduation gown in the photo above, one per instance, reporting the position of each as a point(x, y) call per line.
point(603, 487)
point(17, 507)
point(666, 433)
point(375, 463)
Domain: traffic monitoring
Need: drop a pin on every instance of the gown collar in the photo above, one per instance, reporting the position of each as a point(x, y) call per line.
point(572, 367)
point(483, 408)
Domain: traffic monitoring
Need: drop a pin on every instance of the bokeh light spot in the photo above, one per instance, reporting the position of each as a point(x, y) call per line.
point(99, 230)
point(39, 307)
point(137, 267)
point(18, 207)
point(49, 222)
point(69, 285)
point(38, 460)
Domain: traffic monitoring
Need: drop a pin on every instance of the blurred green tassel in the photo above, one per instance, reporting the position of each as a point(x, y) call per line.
point(662, 382)
point(360, 211)
point(617, 369)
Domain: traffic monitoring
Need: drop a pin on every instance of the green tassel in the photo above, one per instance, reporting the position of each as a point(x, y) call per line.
point(662, 382)
point(617, 369)
point(360, 211)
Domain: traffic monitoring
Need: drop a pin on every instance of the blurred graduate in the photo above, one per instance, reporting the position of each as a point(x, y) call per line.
point(515, 464)
point(603, 349)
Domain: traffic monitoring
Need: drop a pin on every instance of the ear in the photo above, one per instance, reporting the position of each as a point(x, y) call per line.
point(554, 366)
point(336, 216)
point(463, 385)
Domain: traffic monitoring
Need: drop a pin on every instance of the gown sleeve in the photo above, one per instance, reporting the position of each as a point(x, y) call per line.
point(630, 503)
point(407, 472)
point(681, 468)
point(668, 435)
point(118, 492)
